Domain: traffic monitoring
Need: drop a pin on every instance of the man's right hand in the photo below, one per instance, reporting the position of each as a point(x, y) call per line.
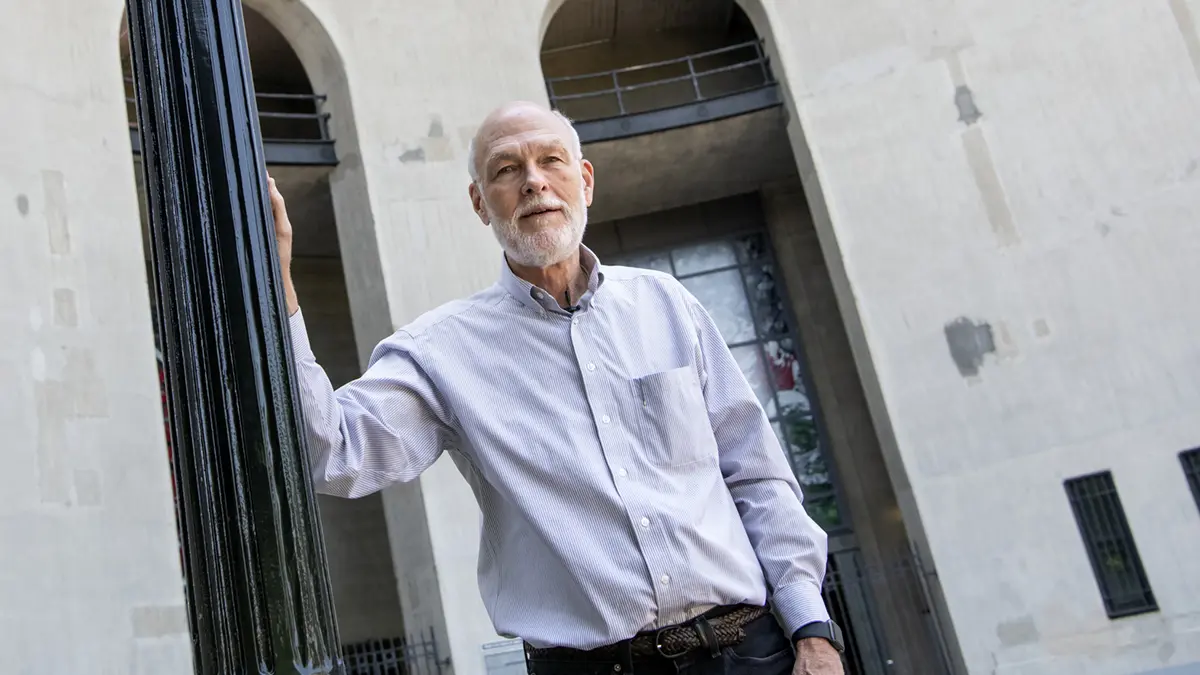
point(283, 242)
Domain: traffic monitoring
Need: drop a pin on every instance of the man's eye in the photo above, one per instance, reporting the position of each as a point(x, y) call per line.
point(504, 170)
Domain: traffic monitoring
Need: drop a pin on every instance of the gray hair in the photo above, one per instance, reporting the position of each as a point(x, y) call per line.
point(575, 147)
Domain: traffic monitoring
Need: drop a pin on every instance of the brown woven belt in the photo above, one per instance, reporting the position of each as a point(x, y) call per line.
point(703, 633)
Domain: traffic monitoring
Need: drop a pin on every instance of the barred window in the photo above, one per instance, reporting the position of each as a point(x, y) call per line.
point(396, 656)
point(1191, 470)
point(1110, 546)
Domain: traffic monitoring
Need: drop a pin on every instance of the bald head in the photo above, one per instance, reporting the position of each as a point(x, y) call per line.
point(517, 118)
point(530, 183)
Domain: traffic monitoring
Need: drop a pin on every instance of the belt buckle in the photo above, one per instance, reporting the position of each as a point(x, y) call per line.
point(658, 647)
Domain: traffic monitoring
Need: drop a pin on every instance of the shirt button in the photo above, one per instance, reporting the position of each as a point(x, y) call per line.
point(606, 419)
point(591, 366)
point(645, 522)
point(622, 473)
point(665, 579)
point(574, 322)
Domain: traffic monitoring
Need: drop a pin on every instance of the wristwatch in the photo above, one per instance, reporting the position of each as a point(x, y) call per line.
point(821, 629)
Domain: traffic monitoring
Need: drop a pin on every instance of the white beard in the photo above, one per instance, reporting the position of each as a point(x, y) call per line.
point(545, 247)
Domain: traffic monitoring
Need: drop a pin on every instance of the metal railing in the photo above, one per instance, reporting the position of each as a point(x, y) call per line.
point(687, 79)
point(282, 118)
point(394, 656)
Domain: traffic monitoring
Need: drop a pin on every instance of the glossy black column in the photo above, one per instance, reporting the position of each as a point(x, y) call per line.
point(257, 589)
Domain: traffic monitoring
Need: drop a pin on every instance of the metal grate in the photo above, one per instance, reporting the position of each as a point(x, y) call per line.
point(1191, 469)
point(1110, 546)
point(394, 656)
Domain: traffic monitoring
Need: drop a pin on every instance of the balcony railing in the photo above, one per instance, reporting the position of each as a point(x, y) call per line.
point(664, 84)
point(294, 127)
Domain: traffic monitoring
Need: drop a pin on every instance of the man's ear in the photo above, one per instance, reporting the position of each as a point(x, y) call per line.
point(477, 203)
point(589, 180)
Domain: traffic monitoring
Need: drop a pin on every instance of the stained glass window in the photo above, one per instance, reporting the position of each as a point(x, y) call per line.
point(736, 281)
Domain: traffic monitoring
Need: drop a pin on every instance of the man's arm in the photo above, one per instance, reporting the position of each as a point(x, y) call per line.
point(790, 546)
point(387, 426)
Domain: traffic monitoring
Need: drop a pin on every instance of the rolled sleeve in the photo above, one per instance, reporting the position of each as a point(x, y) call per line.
point(799, 604)
point(386, 426)
point(791, 547)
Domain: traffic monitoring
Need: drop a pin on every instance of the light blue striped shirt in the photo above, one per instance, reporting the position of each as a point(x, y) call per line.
point(627, 474)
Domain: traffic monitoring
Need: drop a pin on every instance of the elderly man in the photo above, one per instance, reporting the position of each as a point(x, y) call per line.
point(638, 512)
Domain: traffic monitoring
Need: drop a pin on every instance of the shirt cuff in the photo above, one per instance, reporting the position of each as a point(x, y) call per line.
point(799, 604)
point(301, 349)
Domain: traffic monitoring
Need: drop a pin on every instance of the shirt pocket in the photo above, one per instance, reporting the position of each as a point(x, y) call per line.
point(673, 417)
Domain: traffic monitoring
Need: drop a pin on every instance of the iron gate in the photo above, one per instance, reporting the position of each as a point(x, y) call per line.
point(851, 590)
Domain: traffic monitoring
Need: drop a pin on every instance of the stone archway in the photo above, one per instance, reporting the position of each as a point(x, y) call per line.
point(873, 585)
point(322, 61)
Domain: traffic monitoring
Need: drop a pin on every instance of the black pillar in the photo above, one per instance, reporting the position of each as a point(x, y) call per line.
point(257, 589)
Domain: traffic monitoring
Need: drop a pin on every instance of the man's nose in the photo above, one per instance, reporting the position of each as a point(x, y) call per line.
point(535, 180)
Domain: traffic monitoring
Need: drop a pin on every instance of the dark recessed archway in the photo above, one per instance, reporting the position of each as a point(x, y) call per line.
point(653, 66)
point(295, 126)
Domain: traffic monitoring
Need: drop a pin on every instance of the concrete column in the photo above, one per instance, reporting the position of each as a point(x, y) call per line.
point(91, 579)
point(411, 241)
point(870, 500)
point(355, 530)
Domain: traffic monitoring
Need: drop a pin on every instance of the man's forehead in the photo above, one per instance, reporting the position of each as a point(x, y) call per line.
point(522, 123)
point(513, 143)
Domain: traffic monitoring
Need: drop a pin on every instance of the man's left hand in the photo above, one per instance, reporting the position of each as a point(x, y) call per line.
point(815, 656)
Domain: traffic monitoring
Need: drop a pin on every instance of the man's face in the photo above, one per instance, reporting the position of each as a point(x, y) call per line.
point(532, 190)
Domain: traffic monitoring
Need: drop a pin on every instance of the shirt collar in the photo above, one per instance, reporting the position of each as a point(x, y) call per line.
point(536, 298)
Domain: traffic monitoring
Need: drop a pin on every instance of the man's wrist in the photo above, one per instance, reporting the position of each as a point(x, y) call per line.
point(291, 300)
point(814, 644)
point(817, 632)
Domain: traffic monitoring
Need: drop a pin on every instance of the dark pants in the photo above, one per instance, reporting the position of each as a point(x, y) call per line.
point(765, 651)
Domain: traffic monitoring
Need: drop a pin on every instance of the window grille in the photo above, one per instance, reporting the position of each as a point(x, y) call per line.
point(1110, 546)
point(1191, 470)
point(394, 656)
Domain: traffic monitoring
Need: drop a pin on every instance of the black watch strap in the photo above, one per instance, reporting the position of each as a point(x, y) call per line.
point(821, 629)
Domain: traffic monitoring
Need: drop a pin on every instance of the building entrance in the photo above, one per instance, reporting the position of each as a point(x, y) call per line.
point(735, 279)
point(732, 270)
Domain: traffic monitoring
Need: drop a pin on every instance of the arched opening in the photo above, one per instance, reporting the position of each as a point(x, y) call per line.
point(719, 201)
point(644, 68)
point(611, 58)
point(294, 124)
point(303, 140)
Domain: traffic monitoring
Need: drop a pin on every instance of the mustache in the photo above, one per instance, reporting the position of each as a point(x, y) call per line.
point(541, 204)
